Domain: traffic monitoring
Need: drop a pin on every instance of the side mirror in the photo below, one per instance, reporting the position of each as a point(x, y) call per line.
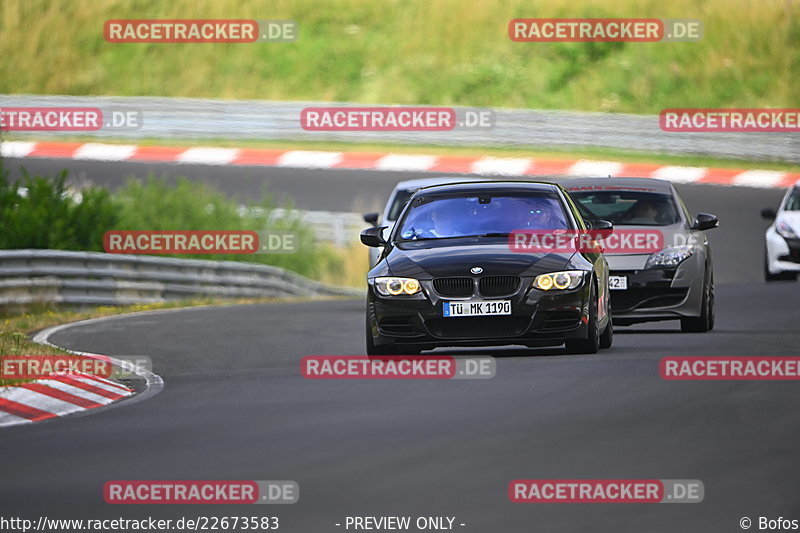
point(603, 225)
point(768, 213)
point(371, 218)
point(705, 221)
point(373, 236)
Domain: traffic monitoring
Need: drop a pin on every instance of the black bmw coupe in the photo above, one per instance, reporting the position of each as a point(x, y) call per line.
point(449, 274)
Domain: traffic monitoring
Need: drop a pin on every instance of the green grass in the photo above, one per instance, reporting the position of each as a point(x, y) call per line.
point(443, 52)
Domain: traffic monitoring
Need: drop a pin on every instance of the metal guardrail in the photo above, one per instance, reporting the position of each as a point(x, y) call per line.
point(338, 228)
point(92, 278)
point(185, 118)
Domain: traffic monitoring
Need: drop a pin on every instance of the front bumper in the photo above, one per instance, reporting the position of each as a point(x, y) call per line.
point(537, 318)
point(660, 294)
point(783, 255)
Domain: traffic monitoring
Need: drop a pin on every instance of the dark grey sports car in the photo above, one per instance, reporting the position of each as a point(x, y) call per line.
point(448, 276)
point(675, 282)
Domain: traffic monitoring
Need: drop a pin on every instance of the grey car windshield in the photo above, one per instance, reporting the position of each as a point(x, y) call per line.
point(398, 203)
point(486, 215)
point(628, 208)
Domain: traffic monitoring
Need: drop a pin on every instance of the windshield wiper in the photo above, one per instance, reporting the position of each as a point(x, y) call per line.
point(490, 235)
point(436, 238)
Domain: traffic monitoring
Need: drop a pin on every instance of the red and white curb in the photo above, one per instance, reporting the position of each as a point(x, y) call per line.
point(488, 166)
point(73, 394)
point(57, 395)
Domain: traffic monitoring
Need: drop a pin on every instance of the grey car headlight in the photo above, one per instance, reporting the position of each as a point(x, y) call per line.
point(670, 257)
point(393, 286)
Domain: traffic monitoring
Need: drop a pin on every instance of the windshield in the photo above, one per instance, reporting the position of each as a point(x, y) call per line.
point(448, 217)
point(628, 208)
point(793, 202)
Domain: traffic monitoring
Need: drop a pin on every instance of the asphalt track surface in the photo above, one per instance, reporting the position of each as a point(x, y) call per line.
point(235, 406)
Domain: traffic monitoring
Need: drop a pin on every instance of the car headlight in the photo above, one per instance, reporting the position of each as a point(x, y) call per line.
point(785, 230)
point(670, 257)
point(559, 281)
point(392, 286)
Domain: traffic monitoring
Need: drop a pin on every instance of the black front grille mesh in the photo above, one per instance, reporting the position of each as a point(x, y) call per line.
point(498, 285)
point(561, 320)
point(478, 327)
point(646, 298)
point(453, 286)
point(397, 326)
point(487, 285)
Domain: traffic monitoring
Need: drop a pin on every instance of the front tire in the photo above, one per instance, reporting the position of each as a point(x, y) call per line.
point(607, 338)
point(591, 344)
point(704, 322)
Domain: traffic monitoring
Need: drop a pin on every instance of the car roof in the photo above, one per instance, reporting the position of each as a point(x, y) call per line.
point(427, 182)
point(486, 185)
point(632, 184)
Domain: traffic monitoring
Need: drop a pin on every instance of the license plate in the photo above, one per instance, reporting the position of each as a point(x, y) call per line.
point(477, 308)
point(617, 283)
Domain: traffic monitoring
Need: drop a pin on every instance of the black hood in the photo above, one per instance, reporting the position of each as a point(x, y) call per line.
point(429, 260)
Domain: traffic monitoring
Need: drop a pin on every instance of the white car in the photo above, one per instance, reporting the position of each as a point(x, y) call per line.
point(782, 256)
point(397, 201)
